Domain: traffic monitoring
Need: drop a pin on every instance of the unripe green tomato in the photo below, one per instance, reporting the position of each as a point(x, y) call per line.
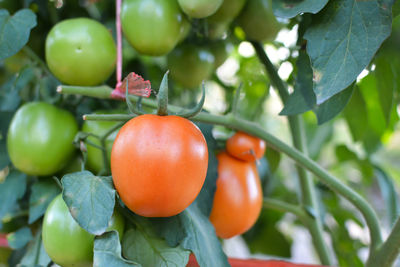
point(66, 243)
point(95, 161)
point(80, 51)
point(258, 21)
point(200, 8)
point(221, 50)
point(40, 138)
point(217, 30)
point(189, 65)
point(152, 27)
point(227, 11)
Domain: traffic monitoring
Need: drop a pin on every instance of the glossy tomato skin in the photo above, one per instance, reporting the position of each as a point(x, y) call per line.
point(199, 8)
point(152, 27)
point(66, 243)
point(40, 138)
point(80, 51)
point(190, 64)
point(258, 21)
point(238, 197)
point(245, 147)
point(95, 161)
point(159, 164)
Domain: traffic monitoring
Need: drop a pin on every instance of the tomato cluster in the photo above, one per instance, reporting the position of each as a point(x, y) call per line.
point(238, 197)
point(158, 163)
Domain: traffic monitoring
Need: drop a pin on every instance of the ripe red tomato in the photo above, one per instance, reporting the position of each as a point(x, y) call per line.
point(159, 164)
point(245, 147)
point(152, 27)
point(238, 197)
point(80, 51)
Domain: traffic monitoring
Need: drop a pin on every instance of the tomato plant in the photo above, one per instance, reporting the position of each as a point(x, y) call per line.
point(189, 60)
point(159, 164)
point(80, 52)
point(238, 197)
point(152, 27)
point(200, 8)
point(315, 81)
point(46, 130)
point(245, 147)
point(65, 241)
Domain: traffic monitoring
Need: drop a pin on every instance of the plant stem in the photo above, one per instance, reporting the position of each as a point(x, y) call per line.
point(254, 129)
point(386, 254)
point(308, 194)
point(30, 53)
point(285, 207)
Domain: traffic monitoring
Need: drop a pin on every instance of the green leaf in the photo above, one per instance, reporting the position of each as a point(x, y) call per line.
point(5, 119)
point(149, 250)
point(303, 97)
point(290, 8)
point(389, 194)
point(11, 190)
point(332, 107)
point(201, 238)
point(90, 199)
point(273, 157)
point(107, 251)
point(206, 196)
point(14, 31)
point(35, 254)
point(193, 231)
point(388, 81)
point(356, 115)
point(9, 93)
point(265, 229)
point(20, 238)
point(42, 193)
point(342, 40)
point(396, 9)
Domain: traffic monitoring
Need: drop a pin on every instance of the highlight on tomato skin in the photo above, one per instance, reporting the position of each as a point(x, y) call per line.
point(245, 147)
point(159, 164)
point(238, 197)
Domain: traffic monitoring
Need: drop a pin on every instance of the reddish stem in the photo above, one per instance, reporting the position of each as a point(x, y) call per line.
point(119, 42)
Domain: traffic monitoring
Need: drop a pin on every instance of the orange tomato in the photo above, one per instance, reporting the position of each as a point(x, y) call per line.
point(245, 147)
point(159, 164)
point(238, 197)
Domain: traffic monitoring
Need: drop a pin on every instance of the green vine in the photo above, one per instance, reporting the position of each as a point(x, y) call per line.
point(254, 129)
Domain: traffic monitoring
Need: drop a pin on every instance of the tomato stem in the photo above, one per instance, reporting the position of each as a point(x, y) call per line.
point(307, 189)
point(162, 97)
point(236, 98)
